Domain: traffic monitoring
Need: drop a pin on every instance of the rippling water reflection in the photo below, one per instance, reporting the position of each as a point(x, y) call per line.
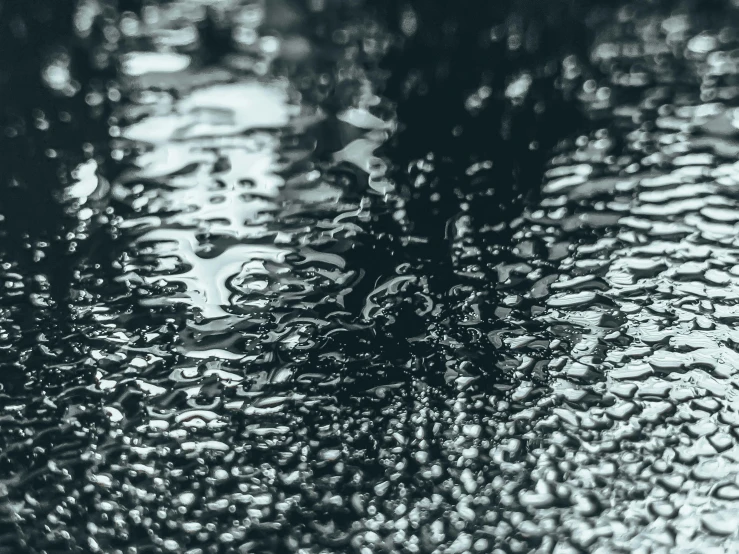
point(310, 295)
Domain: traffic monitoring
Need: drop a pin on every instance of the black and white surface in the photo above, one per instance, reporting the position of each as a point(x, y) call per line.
point(338, 276)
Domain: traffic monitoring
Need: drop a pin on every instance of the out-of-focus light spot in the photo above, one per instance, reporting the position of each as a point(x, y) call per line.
point(245, 36)
point(141, 63)
point(129, 25)
point(84, 17)
point(269, 45)
point(94, 99)
point(251, 15)
point(409, 22)
point(56, 74)
point(702, 44)
point(519, 87)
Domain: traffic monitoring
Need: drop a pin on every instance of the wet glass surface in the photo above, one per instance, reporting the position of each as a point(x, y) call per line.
point(342, 276)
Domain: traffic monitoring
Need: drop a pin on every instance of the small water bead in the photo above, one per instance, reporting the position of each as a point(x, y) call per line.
point(718, 525)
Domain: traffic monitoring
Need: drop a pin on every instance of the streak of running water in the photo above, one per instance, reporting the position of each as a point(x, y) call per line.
point(283, 336)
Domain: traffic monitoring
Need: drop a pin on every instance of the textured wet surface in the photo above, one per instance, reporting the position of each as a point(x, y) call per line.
point(339, 278)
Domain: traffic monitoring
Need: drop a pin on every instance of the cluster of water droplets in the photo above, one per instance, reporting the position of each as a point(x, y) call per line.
point(279, 357)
